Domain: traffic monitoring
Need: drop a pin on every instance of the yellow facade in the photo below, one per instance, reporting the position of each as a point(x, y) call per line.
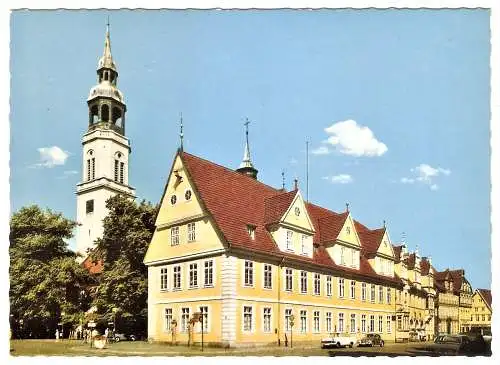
point(480, 312)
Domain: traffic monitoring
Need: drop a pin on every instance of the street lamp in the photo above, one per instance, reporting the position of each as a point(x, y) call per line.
point(114, 310)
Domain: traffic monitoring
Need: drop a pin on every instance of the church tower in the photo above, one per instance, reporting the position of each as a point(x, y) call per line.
point(106, 152)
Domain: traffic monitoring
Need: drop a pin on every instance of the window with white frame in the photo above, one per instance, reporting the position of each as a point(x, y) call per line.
point(380, 294)
point(353, 257)
point(289, 240)
point(174, 236)
point(303, 321)
point(372, 293)
point(341, 287)
point(329, 286)
point(168, 319)
point(363, 291)
point(316, 325)
point(303, 282)
point(304, 245)
point(268, 276)
point(341, 323)
point(248, 273)
point(184, 319)
point(191, 232)
point(372, 323)
point(353, 289)
point(267, 319)
point(317, 284)
point(388, 324)
point(288, 318)
point(177, 277)
point(342, 255)
point(247, 318)
point(193, 275)
point(388, 295)
point(380, 323)
point(209, 273)
point(353, 323)
point(288, 279)
point(204, 314)
point(363, 323)
point(328, 322)
point(163, 278)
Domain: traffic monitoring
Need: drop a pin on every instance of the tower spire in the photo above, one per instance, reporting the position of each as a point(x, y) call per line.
point(106, 60)
point(246, 166)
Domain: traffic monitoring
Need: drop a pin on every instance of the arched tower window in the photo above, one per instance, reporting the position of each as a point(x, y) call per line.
point(90, 165)
point(117, 117)
point(119, 168)
point(105, 113)
point(94, 114)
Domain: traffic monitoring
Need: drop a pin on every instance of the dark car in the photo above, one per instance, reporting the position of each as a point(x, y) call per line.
point(371, 339)
point(453, 345)
point(117, 337)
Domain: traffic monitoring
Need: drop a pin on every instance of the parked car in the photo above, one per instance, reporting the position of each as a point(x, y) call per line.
point(417, 335)
point(454, 345)
point(371, 339)
point(338, 341)
point(117, 337)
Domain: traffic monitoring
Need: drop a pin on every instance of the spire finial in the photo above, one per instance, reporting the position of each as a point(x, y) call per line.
point(347, 207)
point(296, 184)
point(283, 179)
point(385, 224)
point(246, 165)
point(181, 134)
point(107, 25)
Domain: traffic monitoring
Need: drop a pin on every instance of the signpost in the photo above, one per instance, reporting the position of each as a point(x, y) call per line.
point(292, 322)
point(198, 317)
point(91, 325)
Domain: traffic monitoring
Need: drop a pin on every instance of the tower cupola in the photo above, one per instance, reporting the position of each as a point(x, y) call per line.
point(106, 102)
point(246, 166)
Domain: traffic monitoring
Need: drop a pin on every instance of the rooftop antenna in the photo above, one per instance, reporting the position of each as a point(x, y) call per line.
point(181, 134)
point(296, 184)
point(283, 179)
point(347, 207)
point(403, 237)
point(307, 170)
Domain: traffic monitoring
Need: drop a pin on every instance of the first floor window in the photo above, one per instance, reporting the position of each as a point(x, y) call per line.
point(303, 282)
point(193, 275)
point(184, 319)
point(380, 320)
point(209, 273)
point(353, 289)
point(268, 276)
point(316, 321)
point(363, 291)
point(372, 323)
point(303, 321)
point(164, 279)
point(247, 318)
point(248, 273)
point(289, 240)
point(341, 287)
point(168, 319)
point(317, 284)
point(329, 286)
point(372, 293)
point(328, 322)
point(388, 324)
point(204, 314)
point(191, 232)
point(288, 280)
point(399, 323)
point(288, 319)
point(353, 323)
point(380, 294)
point(177, 277)
point(267, 320)
point(341, 322)
point(388, 295)
point(174, 236)
point(363, 323)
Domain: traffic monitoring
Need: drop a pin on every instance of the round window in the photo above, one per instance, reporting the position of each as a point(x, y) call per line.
point(173, 199)
point(297, 211)
point(187, 195)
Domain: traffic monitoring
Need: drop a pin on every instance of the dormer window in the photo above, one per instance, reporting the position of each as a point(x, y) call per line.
point(173, 199)
point(251, 231)
point(348, 230)
point(342, 256)
point(304, 245)
point(289, 240)
point(187, 195)
point(297, 211)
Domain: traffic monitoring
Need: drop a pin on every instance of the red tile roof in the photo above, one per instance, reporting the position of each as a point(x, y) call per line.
point(410, 261)
point(486, 294)
point(92, 267)
point(235, 200)
point(397, 253)
point(424, 266)
point(370, 238)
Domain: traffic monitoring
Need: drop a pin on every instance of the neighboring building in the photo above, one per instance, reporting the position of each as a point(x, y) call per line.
point(106, 152)
point(481, 310)
point(249, 256)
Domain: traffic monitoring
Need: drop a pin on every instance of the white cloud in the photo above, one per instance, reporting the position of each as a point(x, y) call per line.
point(426, 174)
point(339, 179)
point(51, 156)
point(350, 138)
point(321, 150)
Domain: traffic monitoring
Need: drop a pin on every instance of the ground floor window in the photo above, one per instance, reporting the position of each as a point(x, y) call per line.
point(388, 324)
point(328, 322)
point(247, 318)
point(380, 324)
point(204, 313)
point(341, 322)
point(168, 319)
point(184, 319)
point(288, 319)
point(267, 319)
point(363, 323)
point(353, 323)
point(372, 323)
point(316, 321)
point(303, 321)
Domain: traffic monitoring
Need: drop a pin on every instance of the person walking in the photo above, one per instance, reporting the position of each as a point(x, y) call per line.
point(57, 334)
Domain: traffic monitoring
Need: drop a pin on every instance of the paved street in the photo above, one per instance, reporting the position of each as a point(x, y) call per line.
point(139, 348)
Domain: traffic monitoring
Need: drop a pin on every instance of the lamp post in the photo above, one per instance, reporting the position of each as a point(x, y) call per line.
point(114, 310)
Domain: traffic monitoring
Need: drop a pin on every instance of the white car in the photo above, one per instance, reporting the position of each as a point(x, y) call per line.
point(338, 341)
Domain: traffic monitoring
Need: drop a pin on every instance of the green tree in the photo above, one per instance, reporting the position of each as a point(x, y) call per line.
point(128, 229)
point(45, 279)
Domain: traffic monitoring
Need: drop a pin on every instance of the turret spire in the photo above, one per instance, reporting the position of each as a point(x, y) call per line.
point(106, 60)
point(246, 166)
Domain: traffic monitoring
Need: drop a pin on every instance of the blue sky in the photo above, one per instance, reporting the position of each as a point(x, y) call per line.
point(395, 105)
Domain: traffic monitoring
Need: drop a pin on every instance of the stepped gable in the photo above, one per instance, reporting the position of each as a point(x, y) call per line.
point(486, 295)
point(277, 205)
point(236, 200)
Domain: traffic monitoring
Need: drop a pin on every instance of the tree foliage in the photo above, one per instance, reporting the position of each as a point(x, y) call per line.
point(128, 229)
point(45, 279)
